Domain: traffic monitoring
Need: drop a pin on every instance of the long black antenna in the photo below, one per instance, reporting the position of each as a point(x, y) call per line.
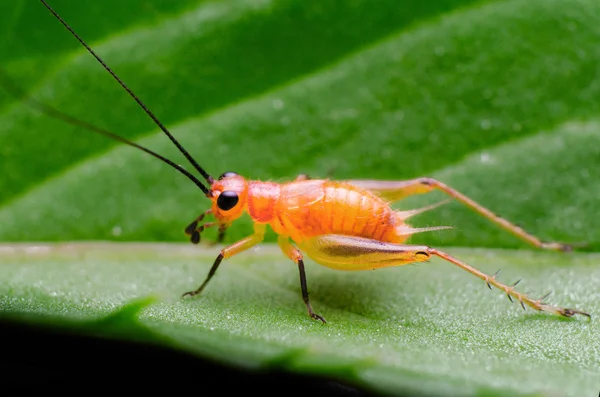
point(17, 92)
point(206, 176)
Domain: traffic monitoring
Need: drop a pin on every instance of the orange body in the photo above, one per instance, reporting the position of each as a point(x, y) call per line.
point(309, 208)
point(306, 209)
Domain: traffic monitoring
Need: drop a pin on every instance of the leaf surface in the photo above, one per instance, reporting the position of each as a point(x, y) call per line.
point(430, 329)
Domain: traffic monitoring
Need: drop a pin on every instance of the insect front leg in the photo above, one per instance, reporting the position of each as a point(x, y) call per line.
point(294, 254)
point(357, 253)
point(229, 251)
point(194, 231)
point(397, 190)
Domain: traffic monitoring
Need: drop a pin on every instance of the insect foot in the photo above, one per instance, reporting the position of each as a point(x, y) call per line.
point(315, 316)
point(572, 312)
point(559, 310)
point(562, 246)
point(191, 293)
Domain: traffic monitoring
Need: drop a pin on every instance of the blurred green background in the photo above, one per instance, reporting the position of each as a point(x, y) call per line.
point(498, 99)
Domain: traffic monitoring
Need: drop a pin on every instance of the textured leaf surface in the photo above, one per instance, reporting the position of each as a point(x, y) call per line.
point(427, 329)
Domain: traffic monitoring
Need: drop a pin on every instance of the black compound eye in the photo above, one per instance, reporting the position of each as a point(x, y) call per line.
point(227, 174)
point(227, 200)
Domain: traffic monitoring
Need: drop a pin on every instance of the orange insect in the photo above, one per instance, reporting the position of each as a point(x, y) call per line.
point(343, 225)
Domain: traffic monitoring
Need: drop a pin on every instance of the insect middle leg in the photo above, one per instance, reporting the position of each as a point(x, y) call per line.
point(229, 251)
point(358, 253)
point(221, 235)
point(397, 190)
point(294, 254)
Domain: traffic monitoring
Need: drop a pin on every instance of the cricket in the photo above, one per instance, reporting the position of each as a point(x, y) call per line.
point(344, 225)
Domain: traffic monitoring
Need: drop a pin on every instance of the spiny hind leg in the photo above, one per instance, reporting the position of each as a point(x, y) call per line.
point(294, 254)
point(357, 253)
point(397, 190)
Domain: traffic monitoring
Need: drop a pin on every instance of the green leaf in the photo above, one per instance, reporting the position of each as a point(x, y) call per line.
point(498, 99)
point(430, 329)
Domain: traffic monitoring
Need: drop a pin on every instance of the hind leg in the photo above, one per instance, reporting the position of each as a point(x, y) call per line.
point(358, 253)
point(397, 190)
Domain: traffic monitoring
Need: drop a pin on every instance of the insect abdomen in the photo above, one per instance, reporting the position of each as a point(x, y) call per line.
point(336, 208)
